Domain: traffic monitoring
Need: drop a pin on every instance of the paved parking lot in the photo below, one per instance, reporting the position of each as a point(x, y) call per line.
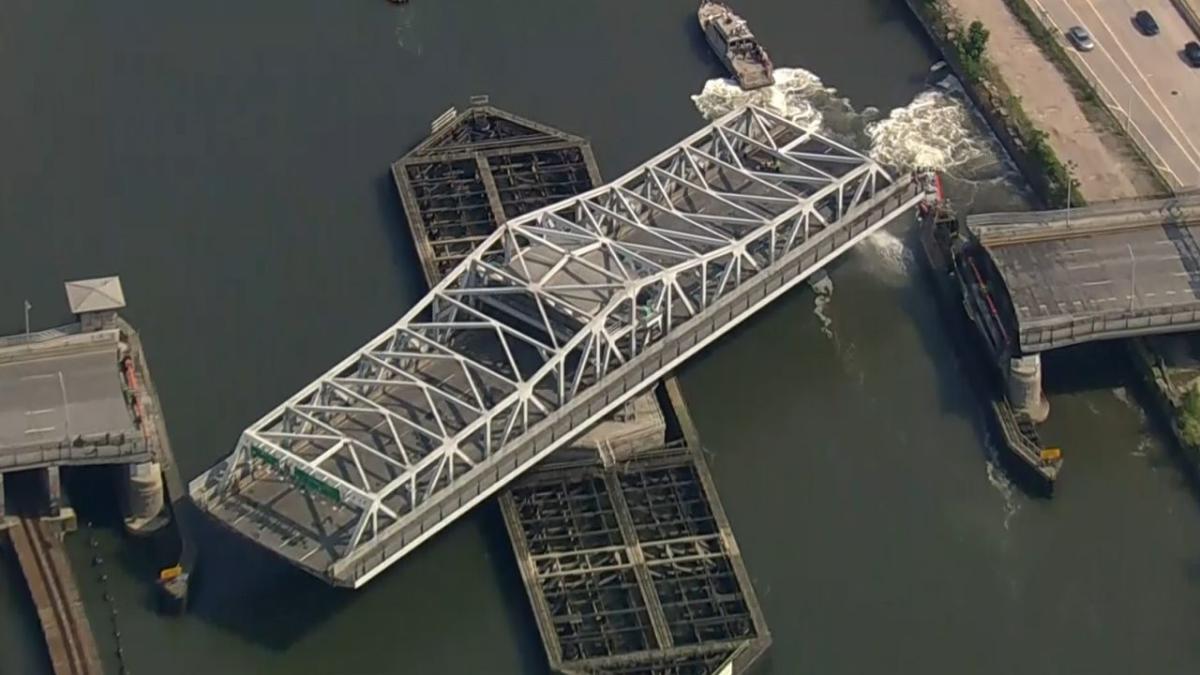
point(1144, 77)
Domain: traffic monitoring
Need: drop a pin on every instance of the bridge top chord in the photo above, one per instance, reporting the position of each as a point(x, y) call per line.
point(548, 325)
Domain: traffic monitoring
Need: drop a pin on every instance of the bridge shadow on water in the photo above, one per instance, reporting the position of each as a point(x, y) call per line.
point(1086, 367)
point(96, 495)
point(1108, 366)
point(248, 592)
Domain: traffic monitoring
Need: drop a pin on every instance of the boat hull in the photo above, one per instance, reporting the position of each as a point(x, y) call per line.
point(752, 71)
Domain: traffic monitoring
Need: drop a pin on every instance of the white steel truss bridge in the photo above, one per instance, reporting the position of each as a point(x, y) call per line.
point(554, 321)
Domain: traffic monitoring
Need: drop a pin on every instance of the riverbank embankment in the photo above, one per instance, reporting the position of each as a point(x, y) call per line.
point(1052, 125)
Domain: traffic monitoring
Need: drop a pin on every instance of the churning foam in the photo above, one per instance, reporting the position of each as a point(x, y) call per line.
point(792, 96)
point(933, 131)
point(822, 287)
point(997, 479)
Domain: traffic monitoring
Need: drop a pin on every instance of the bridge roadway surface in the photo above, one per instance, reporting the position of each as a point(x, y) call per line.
point(554, 321)
point(1115, 270)
point(61, 401)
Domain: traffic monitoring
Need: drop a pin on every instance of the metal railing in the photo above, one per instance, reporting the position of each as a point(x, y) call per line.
point(39, 336)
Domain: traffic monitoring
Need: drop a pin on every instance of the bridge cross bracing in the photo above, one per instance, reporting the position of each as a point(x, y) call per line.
point(555, 320)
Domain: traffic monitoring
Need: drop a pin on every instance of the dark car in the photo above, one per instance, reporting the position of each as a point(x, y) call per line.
point(1146, 23)
point(1191, 52)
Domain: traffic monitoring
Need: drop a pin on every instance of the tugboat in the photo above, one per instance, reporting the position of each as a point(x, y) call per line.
point(730, 37)
point(948, 246)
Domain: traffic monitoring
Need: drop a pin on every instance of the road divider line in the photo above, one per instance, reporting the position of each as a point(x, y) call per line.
point(1133, 63)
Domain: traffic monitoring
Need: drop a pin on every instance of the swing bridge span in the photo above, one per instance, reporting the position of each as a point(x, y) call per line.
point(552, 322)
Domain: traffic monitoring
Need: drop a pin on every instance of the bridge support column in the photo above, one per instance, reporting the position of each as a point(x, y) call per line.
point(1025, 387)
point(143, 497)
point(54, 501)
point(57, 510)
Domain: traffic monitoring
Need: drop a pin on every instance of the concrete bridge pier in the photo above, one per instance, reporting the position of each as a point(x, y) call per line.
point(1025, 387)
point(57, 510)
point(144, 497)
point(54, 499)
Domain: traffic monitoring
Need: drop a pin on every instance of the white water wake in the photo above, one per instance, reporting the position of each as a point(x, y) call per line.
point(822, 287)
point(935, 131)
point(999, 480)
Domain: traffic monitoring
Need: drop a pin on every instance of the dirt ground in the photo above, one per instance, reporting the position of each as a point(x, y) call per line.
point(1106, 168)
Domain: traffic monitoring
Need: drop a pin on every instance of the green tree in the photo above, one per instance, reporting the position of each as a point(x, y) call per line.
point(971, 48)
point(977, 37)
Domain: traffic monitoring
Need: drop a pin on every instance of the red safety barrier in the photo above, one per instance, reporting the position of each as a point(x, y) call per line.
point(988, 297)
point(132, 381)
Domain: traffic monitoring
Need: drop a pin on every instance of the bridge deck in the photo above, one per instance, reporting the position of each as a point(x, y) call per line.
point(584, 599)
point(1115, 270)
point(62, 402)
point(552, 323)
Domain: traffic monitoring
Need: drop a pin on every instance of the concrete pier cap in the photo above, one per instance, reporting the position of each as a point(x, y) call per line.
point(1025, 387)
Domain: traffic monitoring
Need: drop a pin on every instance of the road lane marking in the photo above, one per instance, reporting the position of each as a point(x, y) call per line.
point(1098, 81)
point(43, 411)
point(1133, 63)
point(1100, 44)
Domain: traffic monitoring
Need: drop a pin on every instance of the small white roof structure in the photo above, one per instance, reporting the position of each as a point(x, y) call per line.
point(95, 295)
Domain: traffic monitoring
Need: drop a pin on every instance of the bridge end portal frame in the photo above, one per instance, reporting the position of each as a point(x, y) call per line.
point(550, 324)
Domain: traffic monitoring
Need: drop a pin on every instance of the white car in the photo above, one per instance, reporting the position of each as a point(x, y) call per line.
point(1082, 38)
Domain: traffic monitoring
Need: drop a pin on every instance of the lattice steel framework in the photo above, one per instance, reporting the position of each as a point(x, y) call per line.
point(542, 314)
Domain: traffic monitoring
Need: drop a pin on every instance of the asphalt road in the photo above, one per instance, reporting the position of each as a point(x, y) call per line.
point(47, 400)
point(1146, 77)
point(1146, 269)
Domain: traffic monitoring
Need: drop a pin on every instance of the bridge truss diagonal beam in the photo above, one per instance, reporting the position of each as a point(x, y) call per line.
point(534, 336)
